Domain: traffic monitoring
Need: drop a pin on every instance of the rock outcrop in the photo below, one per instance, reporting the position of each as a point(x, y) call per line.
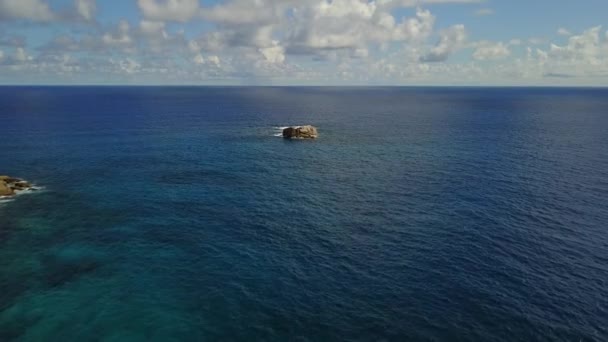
point(9, 185)
point(5, 190)
point(300, 132)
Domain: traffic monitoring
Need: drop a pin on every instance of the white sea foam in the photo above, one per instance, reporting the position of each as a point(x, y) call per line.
point(33, 189)
point(28, 191)
point(279, 131)
point(5, 199)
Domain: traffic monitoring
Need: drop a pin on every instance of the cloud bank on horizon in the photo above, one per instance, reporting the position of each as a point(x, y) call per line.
point(292, 42)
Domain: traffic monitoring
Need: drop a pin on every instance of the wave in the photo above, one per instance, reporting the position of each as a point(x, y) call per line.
point(33, 189)
point(5, 199)
point(278, 131)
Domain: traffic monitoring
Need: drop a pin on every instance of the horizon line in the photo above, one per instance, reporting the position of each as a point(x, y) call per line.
point(303, 86)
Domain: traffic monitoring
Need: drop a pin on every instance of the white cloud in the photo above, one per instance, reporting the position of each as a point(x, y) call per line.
point(21, 56)
point(86, 9)
point(273, 29)
point(18, 58)
point(41, 11)
point(127, 65)
point(169, 10)
point(274, 54)
point(450, 40)
point(585, 46)
point(344, 8)
point(583, 58)
point(489, 51)
point(198, 59)
point(215, 60)
point(352, 24)
point(154, 29)
point(240, 12)
point(207, 62)
point(35, 10)
point(290, 41)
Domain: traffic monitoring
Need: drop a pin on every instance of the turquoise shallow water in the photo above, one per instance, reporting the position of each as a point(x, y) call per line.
point(175, 214)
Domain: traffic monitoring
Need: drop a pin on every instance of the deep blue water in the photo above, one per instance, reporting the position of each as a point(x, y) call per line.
point(420, 214)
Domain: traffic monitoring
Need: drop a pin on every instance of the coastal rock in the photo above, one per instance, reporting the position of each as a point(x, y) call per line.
point(21, 185)
point(8, 185)
point(5, 190)
point(300, 132)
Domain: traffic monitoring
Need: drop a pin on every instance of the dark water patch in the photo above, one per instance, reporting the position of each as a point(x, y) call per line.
point(66, 263)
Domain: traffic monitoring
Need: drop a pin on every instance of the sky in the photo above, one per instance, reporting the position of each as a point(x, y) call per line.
point(304, 42)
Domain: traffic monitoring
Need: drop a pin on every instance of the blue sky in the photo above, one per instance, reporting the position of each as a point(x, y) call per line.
point(304, 42)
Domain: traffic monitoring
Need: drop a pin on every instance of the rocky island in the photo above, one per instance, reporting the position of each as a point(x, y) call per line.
point(9, 186)
point(300, 132)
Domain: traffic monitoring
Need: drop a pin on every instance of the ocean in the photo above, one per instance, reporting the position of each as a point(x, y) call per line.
point(419, 214)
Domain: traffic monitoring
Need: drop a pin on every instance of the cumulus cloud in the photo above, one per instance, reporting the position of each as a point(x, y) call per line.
point(450, 40)
point(585, 46)
point(129, 65)
point(243, 12)
point(274, 54)
point(275, 29)
point(169, 10)
point(86, 9)
point(18, 57)
point(198, 59)
point(40, 11)
point(584, 55)
point(292, 41)
point(214, 60)
point(154, 29)
point(21, 56)
point(352, 24)
point(324, 29)
point(490, 51)
point(34, 10)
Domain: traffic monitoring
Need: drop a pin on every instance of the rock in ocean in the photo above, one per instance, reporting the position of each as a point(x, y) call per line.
point(5, 190)
point(300, 132)
point(8, 185)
